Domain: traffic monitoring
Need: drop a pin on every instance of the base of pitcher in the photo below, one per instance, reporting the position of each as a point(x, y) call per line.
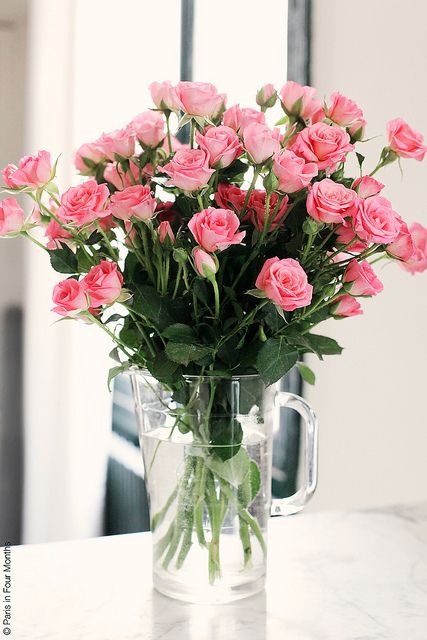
point(210, 594)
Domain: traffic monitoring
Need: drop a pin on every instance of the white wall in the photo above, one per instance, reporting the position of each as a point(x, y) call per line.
point(370, 400)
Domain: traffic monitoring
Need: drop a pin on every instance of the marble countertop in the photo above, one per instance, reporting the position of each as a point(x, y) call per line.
point(332, 576)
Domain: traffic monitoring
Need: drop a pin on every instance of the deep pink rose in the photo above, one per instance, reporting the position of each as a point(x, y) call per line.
point(221, 144)
point(92, 152)
point(346, 306)
point(216, 229)
point(404, 140)
point(136, 201)
point(256, 209)
point(301, 101)
point(292, 172)
point(189, 169)
point(200, 98)
point(343, 111)
point(357, 130)
point(285, 283)
point(103, 283)
point(418, 261)
point(70, 298)
point(366, 186)
point(228, 196)
point(149, 128)
point(323, 144)
point(206, 265)
point(115, 175)
point(238, 119)
point(331, 202)
point(361, 279)
point(261, 142)
point(56, 235)
point(164, 96)
point(32, 171)
point(166, 232)
point(11, 217)
point(403, 247)
point(266, 96)
point(120, 142)
point(84, 204)
point(375, 220)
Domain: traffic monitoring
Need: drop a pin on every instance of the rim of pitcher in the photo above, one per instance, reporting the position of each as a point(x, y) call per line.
point(145, 372)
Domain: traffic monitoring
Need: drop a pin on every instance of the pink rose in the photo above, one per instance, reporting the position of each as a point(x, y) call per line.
point(285, 283)
point(199, 98)
point(361, 279)
point(346, 306)
point(346, 235)
point(136, 201)
point(221, 145)
point(266, 96)
point(149, 128)
point(32, 171)
point(418, 261)
point(343, 111)
point(205, 264)
point(115, 175)
point(216, 229)
point(166, 232)
point(164, 96)
point(189, 169)
point(175, 143)
point(375, 220)
point(238, 119)
point(70, 298)
point(292, 172)
point(103, 283)
point(228, 196)
point(323, 144)
point(11, 217)
point(84, 204)
point(256, 209)
point(261, 142)
point(90, 151)
point(331, 202)
point(403, 247)
point(366, 187)
point(404, 140)
point(57, 235)
point(357, 130)
point(301, 101)
point(120, 142)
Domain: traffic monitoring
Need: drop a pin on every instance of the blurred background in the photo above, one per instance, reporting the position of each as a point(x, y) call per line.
point(70, 69)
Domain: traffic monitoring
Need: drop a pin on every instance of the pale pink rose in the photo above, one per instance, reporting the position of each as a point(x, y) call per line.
point(149, 128)
point(84, 204)
point(120, 142)
point(375, 220)
point(228, 196)
point(301, 101)
point(404, 140)
point(166, 232)
point(70, 298)
point(32, 171)
point(103, 283)
point(266, 96)
point(292, 172)
point(346, 306)
point(164, 96)
point(403, 247)
point(90, 151)
point(357, 130)
point(11, 217)
point(343, 111)
point(189, 169)
point(285, 283)
point(200, 98)
point(366, 186)
point(361, 279)
point(221, 144)
point(238, 119)
point(261, 142)
point(56, 235)
point(331, 202)
point(216, 229)
point(346, 235)
point(176, 144)
point(323, 144)
point(115, 175)
point(256, 209)
point(418, 261)
point(206, 265)
point(133, 202)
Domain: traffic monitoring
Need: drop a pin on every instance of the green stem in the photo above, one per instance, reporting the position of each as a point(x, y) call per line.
point(25, 234)
point(158, 517)
point(200, 201)
point(201, 471)
point(169, 133)
point(177, 281)
point(147, 254)
point(184, 510)
point(216, 294)
point(245, 516)
point(117, 340)
point(192, 130)
point(142, 332)
point(246, 542)
point(111, 251)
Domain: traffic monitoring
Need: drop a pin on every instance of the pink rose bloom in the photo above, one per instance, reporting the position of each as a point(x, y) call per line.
point(84, 204)
point(57, 235)
point(261, 142)
point(404, 140)
point(323, 144)
point(301, 101)
point(205, 264)
point(418, 261)
point(216, 229)
point(238, 119)
point(343, 111)
point(103, 283)
point(164, 96)
point(32, 171)
point(165, 231)
point(357, 130)
point(331, 202)
point(228, 196)
point(200, 98)
point(361, 279)
point(176, 144)
point(266, 96)
point(345, 235)
point(375, 220)
point(115, 175)
point(403, 247)
point(70, 298)
point(92, 152)
point(120, 142)
point(285, 283)
point(11, 217)
point(221, 145)
point(256, 209)
point(366, 187)
point(149, 128)
point(346, 306)
point(292, 172)
point(189, 169)
point(136, 201)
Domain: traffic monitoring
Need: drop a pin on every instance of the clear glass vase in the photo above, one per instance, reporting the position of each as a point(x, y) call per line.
point(207, 451)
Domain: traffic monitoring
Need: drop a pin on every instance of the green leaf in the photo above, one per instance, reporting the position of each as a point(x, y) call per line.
point(360, 159)
point(184, 353)
point(63, 260)
point(233, 470)
point(180, 333)
point(255, 479)
point(306, 373)
point(84, 262)
point(131, 337)
point(149, 303)
point(116, 371)
point(275, 358)
point(321, 345)
point(226, 436)
point(161, 367)
point(201, 290)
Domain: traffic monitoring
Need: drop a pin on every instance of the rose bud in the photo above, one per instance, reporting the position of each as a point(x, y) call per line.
point(301, 101)
point(120, 142)
point(149, 128)
point(166, 233)
point(261, 142)
point(346, 306)
point(343, 111)
point(404, 140)
point(366, 186)
point(418, 261)
point(11, 217)
point(238, 119)
point(356, 130)
point(32, 171)
point(361, 280)
point(266, 96)
point(164, 96)
point(403, 248)
point(206, 265)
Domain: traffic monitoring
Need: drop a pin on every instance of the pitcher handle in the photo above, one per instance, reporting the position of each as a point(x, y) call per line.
point(294, 504)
